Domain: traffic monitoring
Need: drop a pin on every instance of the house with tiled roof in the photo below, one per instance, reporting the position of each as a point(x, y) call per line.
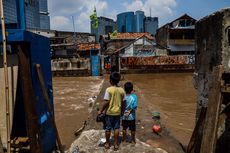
point(178, 35)
point(128, 45)
point(110, 43)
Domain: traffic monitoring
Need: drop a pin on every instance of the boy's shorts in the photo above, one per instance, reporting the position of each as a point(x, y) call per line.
point(112, 122)
point(131, 124)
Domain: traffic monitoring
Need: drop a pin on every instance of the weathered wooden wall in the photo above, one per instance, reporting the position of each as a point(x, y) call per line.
point(212, 50)
point(12, 73)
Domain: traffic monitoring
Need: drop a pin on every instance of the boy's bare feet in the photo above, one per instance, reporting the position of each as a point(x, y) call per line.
point(106, 145)
point(116, 147)
point(133, 141)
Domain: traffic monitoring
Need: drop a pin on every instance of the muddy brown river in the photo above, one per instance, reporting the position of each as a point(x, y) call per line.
point(172, 94)
point(72, 98)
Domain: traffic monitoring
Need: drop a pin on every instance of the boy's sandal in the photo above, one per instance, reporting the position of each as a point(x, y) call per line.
point(106, 146)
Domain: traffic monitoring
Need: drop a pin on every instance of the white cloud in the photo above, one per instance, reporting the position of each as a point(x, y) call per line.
point(61, 23)
point(61, 11)
point(80, 9)
point(135, 5)
point(159, 8)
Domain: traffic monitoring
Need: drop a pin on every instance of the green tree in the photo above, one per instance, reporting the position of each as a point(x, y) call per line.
point(94, 19)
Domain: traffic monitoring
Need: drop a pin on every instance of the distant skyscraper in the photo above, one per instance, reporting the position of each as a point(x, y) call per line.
point(44, 15)
point(105, 26)
point(139, 21)
point(130, 22)
point(32, 14)
point(126, 22)
point(10, 12)
point(151, 25)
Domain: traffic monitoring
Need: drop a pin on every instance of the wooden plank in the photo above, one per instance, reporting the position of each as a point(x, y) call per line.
point(1, 146)
point(208, 144)
point(46, 97)
point(13, 75)
point(29, 100)
point(195, 141)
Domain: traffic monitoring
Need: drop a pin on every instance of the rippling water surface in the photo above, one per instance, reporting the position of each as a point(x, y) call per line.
point(174, 96)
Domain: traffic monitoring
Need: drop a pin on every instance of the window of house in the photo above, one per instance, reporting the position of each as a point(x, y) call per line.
point(188, 22)
point(182, 23)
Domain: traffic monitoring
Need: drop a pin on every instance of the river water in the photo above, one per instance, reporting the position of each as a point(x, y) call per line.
point(72, 98)
point(172, 94)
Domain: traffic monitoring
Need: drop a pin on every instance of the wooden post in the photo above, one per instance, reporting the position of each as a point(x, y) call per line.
point(29, 101)
point(6, 76)
point(1, 146)
point(195, 141)
point(46, 97)
point(208, 144)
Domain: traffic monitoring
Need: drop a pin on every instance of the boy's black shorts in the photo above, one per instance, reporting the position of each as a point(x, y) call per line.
point(131, 124)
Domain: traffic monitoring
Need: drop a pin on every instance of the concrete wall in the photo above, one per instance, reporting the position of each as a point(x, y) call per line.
point(70, 64)
point(134, 62)
point(212, 49)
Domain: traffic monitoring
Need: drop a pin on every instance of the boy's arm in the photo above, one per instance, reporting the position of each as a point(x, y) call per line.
point(106, 102)
point(133, 105)
point(123, 107)
point(104, 106)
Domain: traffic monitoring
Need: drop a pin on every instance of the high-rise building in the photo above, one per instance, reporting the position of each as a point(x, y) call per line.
point(105, 26)
point(151, 25)
point(32, 14)
point(125, 22)
point(130, 22)
point(44, 15)
point(10, 12)
point(139, 21)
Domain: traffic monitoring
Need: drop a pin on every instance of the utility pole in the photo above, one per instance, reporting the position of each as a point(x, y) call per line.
point(150, 12)
point(74, 35)
point(5, 76)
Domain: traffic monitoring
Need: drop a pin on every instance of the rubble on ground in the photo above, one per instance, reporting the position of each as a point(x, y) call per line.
point(91, 141)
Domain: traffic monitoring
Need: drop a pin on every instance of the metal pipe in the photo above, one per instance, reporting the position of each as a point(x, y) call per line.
point(6, 77)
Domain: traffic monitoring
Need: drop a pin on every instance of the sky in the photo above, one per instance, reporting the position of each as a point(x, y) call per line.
point(65, 15)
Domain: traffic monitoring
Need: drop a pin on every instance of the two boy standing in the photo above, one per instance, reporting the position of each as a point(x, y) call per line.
point(119, 104)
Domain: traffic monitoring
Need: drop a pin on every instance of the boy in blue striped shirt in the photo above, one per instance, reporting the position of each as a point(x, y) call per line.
point(129, 116)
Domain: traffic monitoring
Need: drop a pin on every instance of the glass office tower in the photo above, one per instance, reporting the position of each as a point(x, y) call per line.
point(139, 21)
point(151, 25)
point(32, 14)
point(44, 15)
point(126, 22)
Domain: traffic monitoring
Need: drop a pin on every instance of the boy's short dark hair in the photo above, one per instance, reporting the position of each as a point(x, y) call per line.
point(128, 87)
point(115, 77)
